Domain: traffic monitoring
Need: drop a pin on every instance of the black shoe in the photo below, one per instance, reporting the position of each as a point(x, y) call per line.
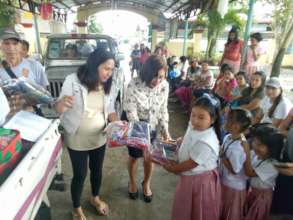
point(146, 198)
point(132, 195)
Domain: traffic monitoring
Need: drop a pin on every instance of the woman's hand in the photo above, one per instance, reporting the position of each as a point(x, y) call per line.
point(113, 117)
point(166, 136)
point(179, 141)
point(65, 103)
point(286, 171)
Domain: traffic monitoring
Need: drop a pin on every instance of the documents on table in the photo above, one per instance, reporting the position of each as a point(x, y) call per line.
point(30, 125)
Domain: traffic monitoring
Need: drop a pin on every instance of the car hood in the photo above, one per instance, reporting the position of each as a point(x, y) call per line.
point(60, 72)
point(50, 63)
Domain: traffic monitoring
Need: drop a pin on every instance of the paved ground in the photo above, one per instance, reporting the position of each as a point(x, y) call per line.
point(115, 180)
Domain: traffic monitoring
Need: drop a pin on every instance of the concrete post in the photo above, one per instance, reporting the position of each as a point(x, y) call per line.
point(39, 47)
point(154, 39)
point(185, 37)
point(247, 30)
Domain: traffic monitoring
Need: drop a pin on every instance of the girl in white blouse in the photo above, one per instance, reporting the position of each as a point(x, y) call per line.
point(232, 160)
point(275, 105)
point(267, 146)
point(198, 191)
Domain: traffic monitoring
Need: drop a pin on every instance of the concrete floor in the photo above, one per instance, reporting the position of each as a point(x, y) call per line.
point(114, 186)
point(115, 180)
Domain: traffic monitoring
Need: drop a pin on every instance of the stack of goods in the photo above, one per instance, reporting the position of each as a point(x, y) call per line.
point(162, 152)
point(133, 134)
point(116, 132)
point(22, 93)
point(138, 135)
point(10, 148)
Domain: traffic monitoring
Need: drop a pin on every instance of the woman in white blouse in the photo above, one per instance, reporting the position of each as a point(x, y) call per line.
point(146, 100)
point(274, 105)
point(85, 105)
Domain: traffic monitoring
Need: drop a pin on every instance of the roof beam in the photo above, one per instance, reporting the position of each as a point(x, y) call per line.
point(172, 4)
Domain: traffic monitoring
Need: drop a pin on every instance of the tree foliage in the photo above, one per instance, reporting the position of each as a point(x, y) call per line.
point(283, 30)
point(216, 25)
point(93, 26)
point(7, 15)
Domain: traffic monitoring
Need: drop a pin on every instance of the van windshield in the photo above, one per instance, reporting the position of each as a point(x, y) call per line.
point(73, 49)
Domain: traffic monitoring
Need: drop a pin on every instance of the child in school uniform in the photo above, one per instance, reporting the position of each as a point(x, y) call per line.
point(267, 146)
point(232, 158)
point(197, 194)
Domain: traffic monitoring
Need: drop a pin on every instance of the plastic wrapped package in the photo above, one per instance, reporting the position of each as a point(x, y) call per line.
point(33, 94)
point(161, 152)
point(117, 134)
point(138, 135)
point(133, 134)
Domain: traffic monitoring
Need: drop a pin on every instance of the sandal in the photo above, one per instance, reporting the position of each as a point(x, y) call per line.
point(102, 208)
point(78, 216)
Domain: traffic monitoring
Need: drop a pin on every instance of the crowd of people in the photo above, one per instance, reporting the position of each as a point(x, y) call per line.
point(234, 159)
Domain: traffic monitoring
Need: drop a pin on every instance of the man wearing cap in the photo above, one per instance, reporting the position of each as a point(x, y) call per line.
point(274, 105)
point(15, 63)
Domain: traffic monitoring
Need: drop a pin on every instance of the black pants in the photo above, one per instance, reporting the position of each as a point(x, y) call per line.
point(79, 161)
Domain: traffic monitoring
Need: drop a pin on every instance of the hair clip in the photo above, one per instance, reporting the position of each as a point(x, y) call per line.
point(213, 100)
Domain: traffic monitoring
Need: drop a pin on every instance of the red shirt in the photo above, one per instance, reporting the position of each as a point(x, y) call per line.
point(233, 50)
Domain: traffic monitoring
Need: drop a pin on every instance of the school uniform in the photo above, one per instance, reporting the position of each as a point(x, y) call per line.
point(233, 186)
point(198, 191)
point(259, 198)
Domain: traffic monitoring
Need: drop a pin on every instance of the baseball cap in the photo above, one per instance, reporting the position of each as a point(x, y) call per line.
point(9, 33)
point(273, 82)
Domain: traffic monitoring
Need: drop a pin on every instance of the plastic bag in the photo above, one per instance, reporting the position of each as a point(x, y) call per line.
point(133, 134)
point(117, 134)
point(161, 152)
point(32, 93)
point(139, 135)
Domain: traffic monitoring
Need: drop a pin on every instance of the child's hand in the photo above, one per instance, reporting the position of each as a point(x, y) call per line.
point(170, 166)
point(244, 142)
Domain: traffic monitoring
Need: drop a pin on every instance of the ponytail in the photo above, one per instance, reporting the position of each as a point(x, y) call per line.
point(275, 104)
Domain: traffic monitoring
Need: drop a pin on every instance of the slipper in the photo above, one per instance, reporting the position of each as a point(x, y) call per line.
point(76, 216)
point(102, 208)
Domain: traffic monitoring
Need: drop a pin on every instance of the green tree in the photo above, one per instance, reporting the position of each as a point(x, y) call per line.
point(216, 25)
point(7, 15)
point(93, 26)
point(283, 30)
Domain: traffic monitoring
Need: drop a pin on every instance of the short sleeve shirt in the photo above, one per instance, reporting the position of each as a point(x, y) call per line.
point(233, 151)
point(246, 96)
point(266, 173)
point(28, 69)
point(280, 112)
point(198, 151)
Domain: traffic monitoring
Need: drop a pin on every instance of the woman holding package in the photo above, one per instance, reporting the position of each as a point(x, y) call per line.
point(146, 100)
point(85, 105)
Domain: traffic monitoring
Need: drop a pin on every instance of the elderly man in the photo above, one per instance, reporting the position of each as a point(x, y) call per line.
point(14, 65)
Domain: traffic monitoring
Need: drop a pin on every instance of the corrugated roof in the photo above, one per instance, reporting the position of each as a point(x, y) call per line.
point(174, 7)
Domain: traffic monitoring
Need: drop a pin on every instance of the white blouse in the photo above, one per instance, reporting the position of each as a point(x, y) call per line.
point(281, 111)
point(202, 147)
point(266, 173)
point(149, 104)
point(233, 151)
